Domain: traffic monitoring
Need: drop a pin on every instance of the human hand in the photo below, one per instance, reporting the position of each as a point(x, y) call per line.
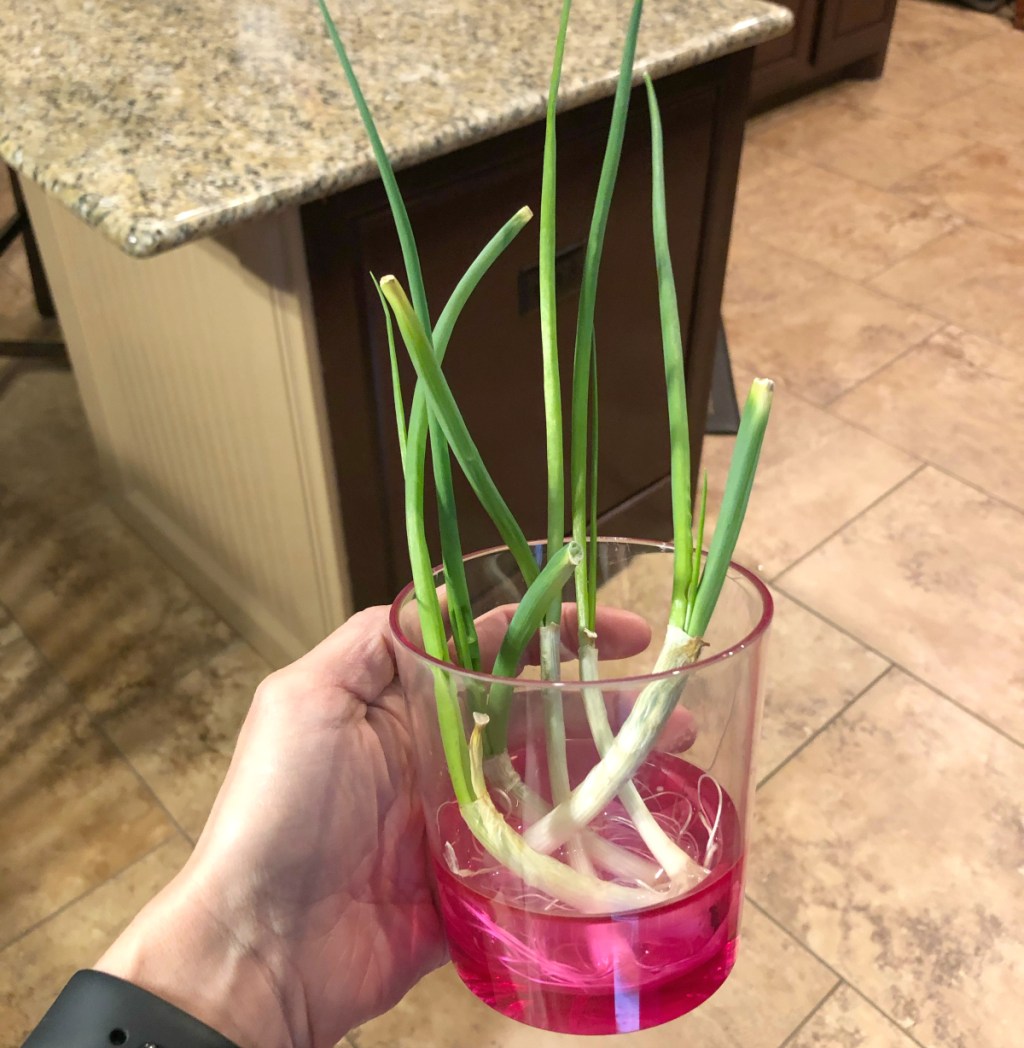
point(307, 906)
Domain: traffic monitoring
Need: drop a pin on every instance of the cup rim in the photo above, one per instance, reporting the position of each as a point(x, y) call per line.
point(759, 629)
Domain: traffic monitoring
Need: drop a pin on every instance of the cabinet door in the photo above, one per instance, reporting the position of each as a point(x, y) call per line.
point(494, 361)
point(852, 30)
point(785, 61)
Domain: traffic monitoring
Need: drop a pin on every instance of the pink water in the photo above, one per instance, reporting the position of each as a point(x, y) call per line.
point(533, 960)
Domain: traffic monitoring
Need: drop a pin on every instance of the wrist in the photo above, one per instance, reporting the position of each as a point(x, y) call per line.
point(180, 950)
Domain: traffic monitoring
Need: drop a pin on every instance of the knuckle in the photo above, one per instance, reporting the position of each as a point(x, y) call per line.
point(275, 688)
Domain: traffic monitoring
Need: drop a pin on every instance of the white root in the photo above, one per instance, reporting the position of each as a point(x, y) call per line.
point(554, 737)
point(618, 861)
point(586, 893)
point(621, 756)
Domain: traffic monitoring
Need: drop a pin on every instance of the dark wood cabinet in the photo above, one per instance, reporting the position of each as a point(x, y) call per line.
point(788, 59)
point(854, 31)
point(493, 363)
point(830, 39)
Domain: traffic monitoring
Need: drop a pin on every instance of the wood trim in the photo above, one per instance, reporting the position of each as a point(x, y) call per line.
point(836, 48)
point(825, 54)
point(40, 285)
point(291, 300)
point(349, 393)
point(774, 72)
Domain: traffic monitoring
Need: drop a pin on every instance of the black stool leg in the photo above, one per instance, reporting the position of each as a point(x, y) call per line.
point(723, 411)
point(40, 285)
point(45, 350)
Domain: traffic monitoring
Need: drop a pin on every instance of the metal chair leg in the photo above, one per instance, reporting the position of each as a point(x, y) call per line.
point(42, 349)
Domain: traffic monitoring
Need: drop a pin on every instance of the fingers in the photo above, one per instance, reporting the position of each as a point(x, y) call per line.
point(620, 634)
point(358, 656)
point(678, 734)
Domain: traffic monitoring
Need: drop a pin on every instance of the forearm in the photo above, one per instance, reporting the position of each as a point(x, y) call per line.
point(191, 957)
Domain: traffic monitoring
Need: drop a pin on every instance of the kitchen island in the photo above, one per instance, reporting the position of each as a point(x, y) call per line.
point(237, 385)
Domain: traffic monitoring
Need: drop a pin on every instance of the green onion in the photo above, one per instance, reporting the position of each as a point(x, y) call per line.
point(672, 343)
point(550, 635)
point(442, 405)
point(549, 309)
point(396, 381)
point(459, 611)
point(592, 545)
point(692, 603)
point(738, 485)
point(581, 377)
point(527, 618)
point(698, 547)
point(588, 894)
point(695, 592)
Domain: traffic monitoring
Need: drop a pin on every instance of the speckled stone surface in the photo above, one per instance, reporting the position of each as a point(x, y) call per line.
point(160, 124)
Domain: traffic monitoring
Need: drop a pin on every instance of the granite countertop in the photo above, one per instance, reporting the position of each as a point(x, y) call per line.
point(158, 123)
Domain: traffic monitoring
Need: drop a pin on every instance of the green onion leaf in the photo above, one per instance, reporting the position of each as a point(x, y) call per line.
point(396, 382)
point(738, 485)
point(442, 405)
point(527, 619)
point(672, 343)
point(585, 317)
point(548, 310)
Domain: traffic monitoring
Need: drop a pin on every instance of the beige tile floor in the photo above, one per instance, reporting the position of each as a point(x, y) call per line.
point(878, 273)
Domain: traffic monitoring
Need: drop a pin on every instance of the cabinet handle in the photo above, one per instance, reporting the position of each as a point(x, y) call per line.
point(568, 275)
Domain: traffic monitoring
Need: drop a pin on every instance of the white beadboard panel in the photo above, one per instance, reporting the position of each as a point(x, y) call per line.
point(198, 370)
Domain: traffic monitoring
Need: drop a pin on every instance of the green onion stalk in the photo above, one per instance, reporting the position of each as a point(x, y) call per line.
point(637, 881)
point(674, 860)
point(550, 634)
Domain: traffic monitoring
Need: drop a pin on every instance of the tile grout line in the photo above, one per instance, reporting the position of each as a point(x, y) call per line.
point(827, 408)
point(829, 404)
point(868, 281)
point(889, 188)
point(101, 729)
point(791, 935)
point(177, 831)
point(967, 220)
point(923, 463)
point(870, 110)
point(896, 664)
point(929, 462)
point(851, 520)
point(968, 145)
point(98, 727)
point(842, 979)
point(828, 724)
point(925, 310)
point(833, 990)
point(84, 895)
point(865, 280)
point(962, 222)
point(975, 486)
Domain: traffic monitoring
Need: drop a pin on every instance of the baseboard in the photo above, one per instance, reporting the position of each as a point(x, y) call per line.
point(256, 623)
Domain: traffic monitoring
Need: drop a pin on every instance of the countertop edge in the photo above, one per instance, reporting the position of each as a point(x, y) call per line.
point(144, 236)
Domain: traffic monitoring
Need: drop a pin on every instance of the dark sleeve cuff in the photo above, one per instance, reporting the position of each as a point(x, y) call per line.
point(96, 1010)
